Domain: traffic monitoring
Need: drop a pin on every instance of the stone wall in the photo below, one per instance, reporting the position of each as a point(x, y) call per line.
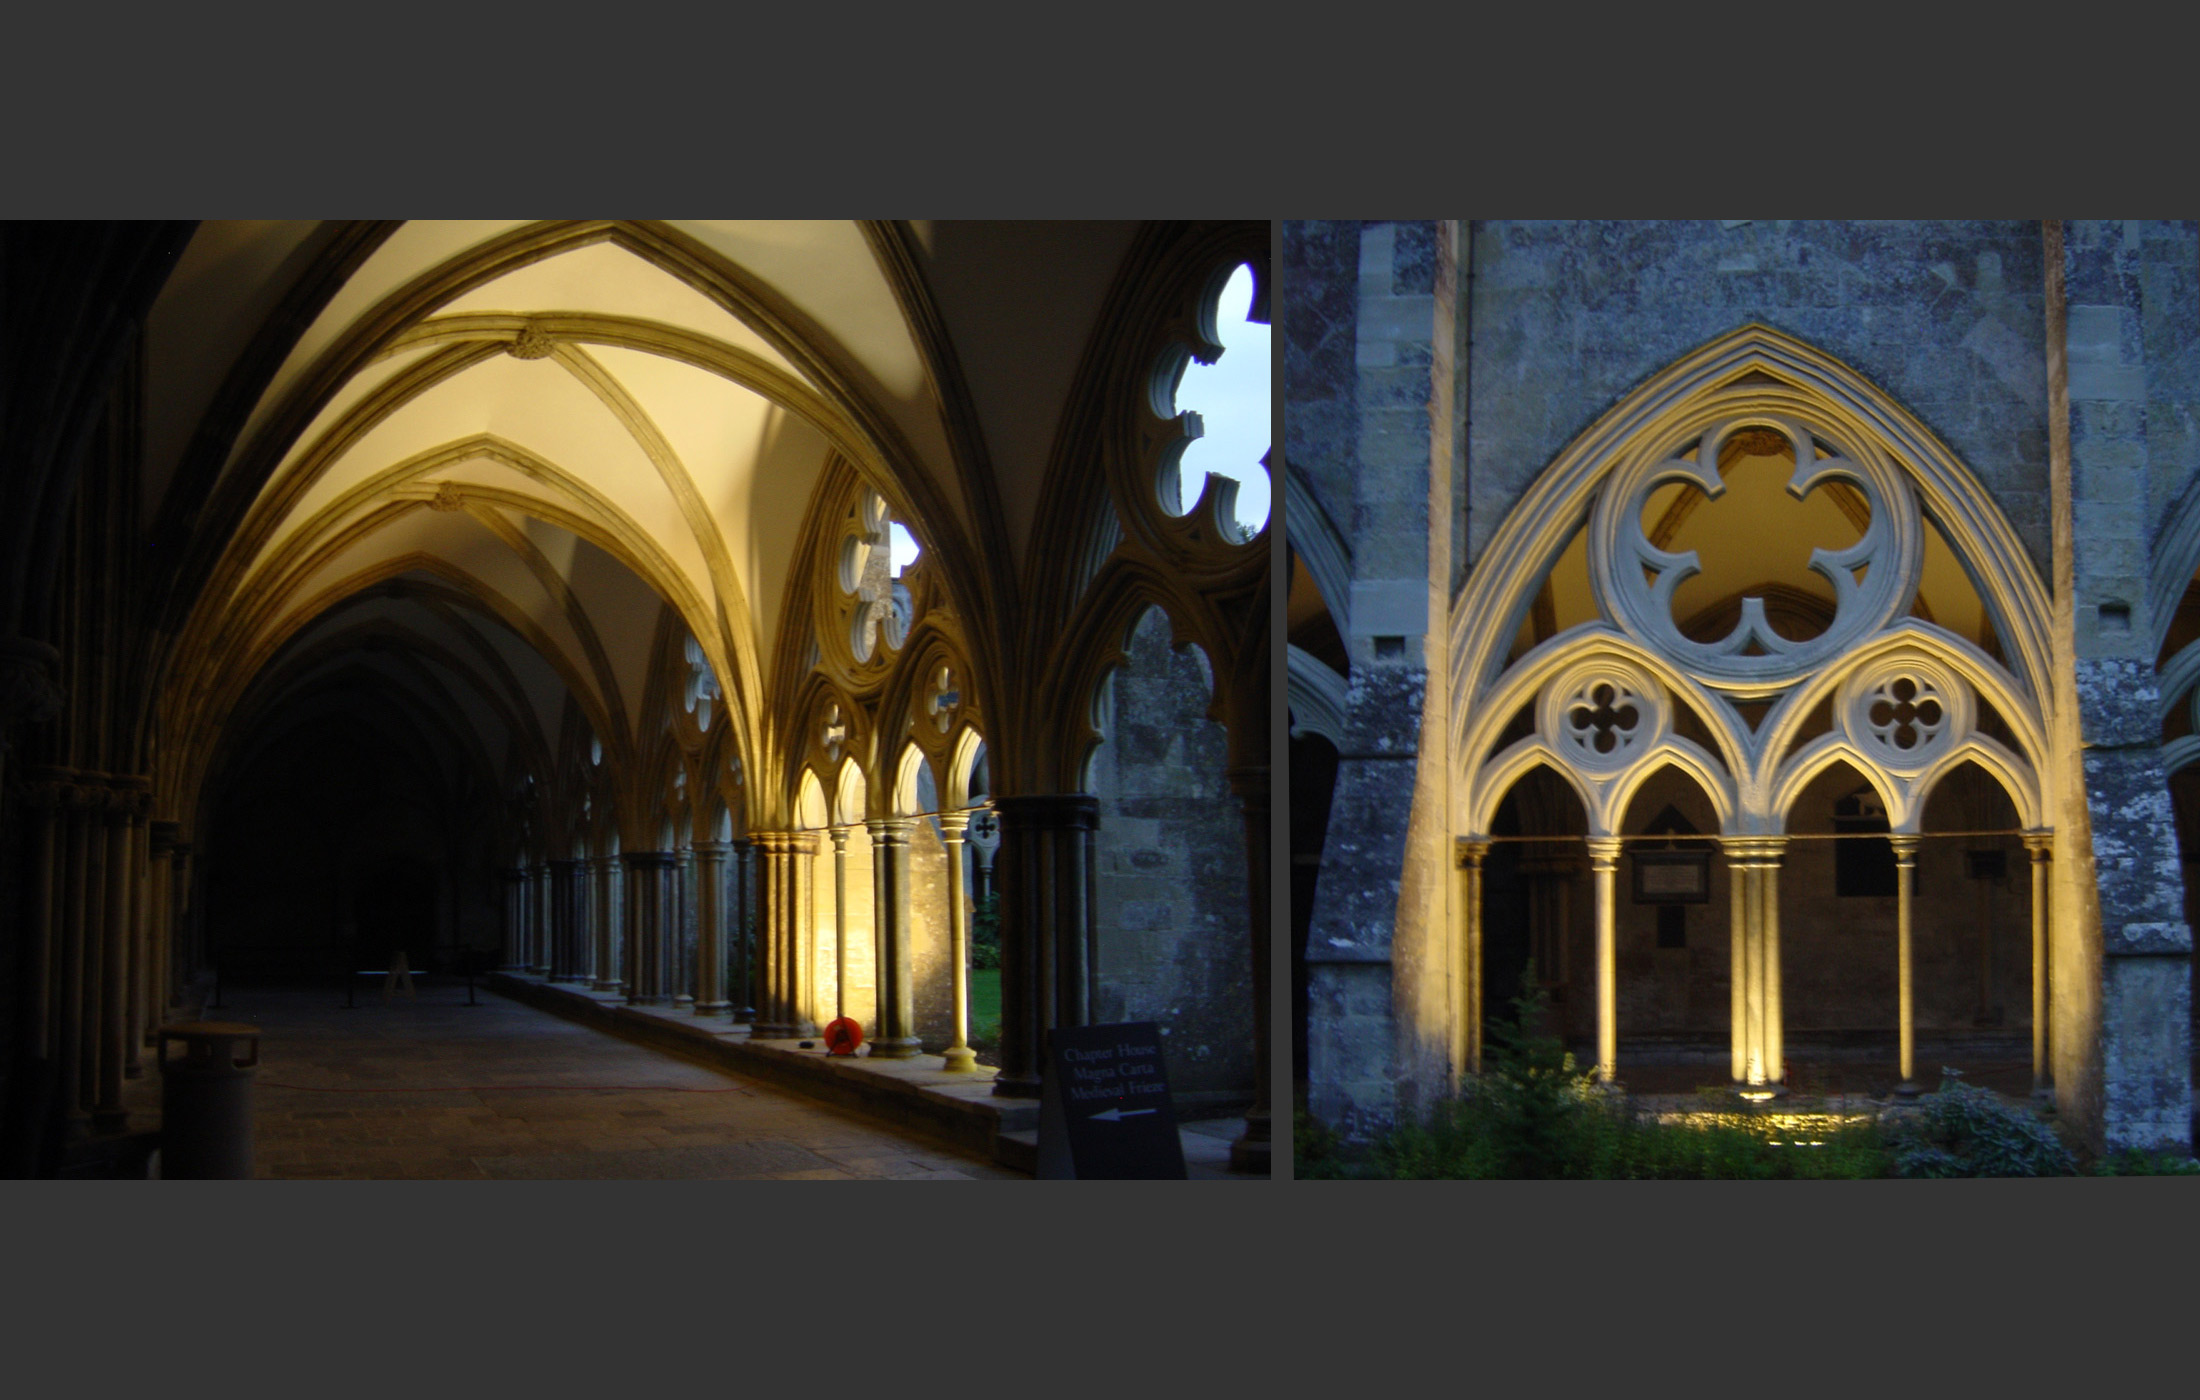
point(1947, 317)
point(1169, 873)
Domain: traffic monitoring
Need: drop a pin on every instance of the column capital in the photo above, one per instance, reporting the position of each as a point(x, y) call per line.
point(1603, 851)
point(1753, 850)
point(952, 824)
point(1069, 811)
point(1471, 850)
point(2040, 841)
point(839, 835)
point(164, 837)
point(566, 864)
point(891, 831)
point(650, 860)
point(1905, 846)
point(513, 876)
point(711, 850)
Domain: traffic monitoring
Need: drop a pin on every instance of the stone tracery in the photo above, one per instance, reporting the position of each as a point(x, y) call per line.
point(1902, 689)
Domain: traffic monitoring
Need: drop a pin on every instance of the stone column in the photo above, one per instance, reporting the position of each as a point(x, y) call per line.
point(741, 930)
point(1250, 1153)
point(1757, 1039)
point(138, 1032)
point(121, 807)
point(1768, 893)
point(603, 888)
point(783, 901)
point(562, 921)
point(960, 1058)
point(1603, 862)
point(1467, 961)
point(99, 801)
point(2040, 845)
point(515, 919)
point(839, 838)
point(584, 921)
point(1741, 1037)
point(710, 928)
point(76, 815)
point(1905, 873)
point(45, 809)
point(897, 1002)
point(1045, 869)
point(680, 929)
point(160, 845)
point(538, 919)
point(647, 875)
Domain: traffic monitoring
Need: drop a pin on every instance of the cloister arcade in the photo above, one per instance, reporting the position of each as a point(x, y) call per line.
point(709, 613)
point(1754, 613)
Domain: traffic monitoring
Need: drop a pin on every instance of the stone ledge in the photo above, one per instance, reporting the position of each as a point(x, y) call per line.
point(914, 1094)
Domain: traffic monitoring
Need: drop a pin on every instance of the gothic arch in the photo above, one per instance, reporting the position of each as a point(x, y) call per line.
point(1896, 697)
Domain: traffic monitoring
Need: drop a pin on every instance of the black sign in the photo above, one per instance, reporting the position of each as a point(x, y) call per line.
point(1104, 1113)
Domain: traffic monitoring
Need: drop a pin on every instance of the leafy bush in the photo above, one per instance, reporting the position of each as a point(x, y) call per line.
point(1962, 1130)
point(1534, 1113)
point(2134, 1162)
point(985, 932)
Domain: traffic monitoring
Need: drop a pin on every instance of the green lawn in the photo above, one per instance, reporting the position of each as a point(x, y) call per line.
point(985, 1003)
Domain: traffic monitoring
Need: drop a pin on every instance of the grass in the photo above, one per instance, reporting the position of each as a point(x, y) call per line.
point(985, 1005)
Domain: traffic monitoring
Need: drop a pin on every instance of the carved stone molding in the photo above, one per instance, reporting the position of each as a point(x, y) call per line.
point(28, 694)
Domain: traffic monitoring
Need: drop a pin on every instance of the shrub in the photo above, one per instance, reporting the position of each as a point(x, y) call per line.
point(1962, 1130)
point(985, 932)
point(2133, 1161)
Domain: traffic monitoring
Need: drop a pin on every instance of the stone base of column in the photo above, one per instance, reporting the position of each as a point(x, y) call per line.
point(771, 1030)
point(1250, 1152)
point(649, 1001)
point(1025, 1088)
point(896, 1049)
point(607, 984)
point(713, 1008)
point(1759, 1093)
point(1907, 1089)
point(963, 1061)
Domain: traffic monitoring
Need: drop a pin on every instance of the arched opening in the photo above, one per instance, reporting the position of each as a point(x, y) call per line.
point(1169, 872)
point(1537, 926)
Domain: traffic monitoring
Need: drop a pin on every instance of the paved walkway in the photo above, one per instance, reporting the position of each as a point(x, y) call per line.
point(431, 1088)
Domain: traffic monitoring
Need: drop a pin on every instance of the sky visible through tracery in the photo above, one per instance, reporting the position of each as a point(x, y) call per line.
point(1231, 398)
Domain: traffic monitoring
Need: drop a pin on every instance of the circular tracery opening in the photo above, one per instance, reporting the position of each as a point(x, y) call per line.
point(1225, 405)
point(1754, 540)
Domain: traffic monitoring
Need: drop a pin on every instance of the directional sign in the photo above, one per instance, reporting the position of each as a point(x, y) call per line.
point(1104, 1111)
point(842, 1036)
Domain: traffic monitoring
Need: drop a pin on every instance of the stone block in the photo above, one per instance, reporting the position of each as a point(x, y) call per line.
point(2118, 702)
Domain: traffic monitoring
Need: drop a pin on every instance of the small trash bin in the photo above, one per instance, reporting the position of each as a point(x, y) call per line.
point(206, 1070)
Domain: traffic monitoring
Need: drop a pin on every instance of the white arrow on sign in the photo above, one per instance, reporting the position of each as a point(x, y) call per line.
point(1114, 1114)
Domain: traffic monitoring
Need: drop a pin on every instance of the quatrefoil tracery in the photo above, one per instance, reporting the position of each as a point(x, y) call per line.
point(1872, 580)
point(1906, 711)
point(1604, 714)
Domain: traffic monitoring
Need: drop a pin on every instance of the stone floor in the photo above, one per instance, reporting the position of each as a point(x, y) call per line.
point(431, 1088)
